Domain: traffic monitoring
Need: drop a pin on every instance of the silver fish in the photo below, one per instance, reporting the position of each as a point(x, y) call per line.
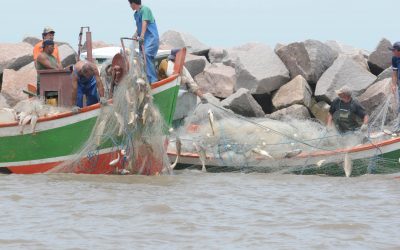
point(347, 165)
point(144, 113)
point(319, 163)
point(262, 152)
point(120, 122)
point(128, 98)
point(33, 123)
point(132, 118)
point(202, 156)
point(115, 161)
point(293, 153)
point(211, 120)
point(178, 145)
point(25, 121)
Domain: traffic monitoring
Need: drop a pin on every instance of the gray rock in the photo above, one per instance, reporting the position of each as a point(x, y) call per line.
point(217, 55)
point(15, 56)
point(309, 58)
point(356, 54)
point(344, 71)
point(376, 95)
point(177, 39)
point(381, 58)
point(67, 55)
point(258, 68)
point(320, 111)
point(295, 111)
point(195, 64)
point(387, 73)
point(217, 79)
point(14, 82)
point(278, 46)
point(185, 104)
point(31, 40)
point(243, 103)
point(3, 102)
point(296, 91)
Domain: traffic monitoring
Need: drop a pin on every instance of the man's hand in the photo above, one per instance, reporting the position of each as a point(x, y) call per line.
point(103, 101)
point(140, 39)
point(75, 110)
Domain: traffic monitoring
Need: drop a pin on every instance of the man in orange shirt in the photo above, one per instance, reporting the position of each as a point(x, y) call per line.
point(48, 34)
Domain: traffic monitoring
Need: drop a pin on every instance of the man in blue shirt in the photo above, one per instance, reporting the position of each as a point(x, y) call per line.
point(395, 66)
point(147, 34)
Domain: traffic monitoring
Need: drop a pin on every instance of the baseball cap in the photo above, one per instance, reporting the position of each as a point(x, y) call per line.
point(47, 43)
point(344, 90)
point(47, 30)
point(396, 46)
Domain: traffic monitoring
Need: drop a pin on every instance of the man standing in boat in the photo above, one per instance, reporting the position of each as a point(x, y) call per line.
point(86, 81)
point(48, 34)
point(147, 35)
point(347, 113)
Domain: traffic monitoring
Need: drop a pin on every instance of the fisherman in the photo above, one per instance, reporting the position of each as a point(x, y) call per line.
point(347, 113)
point(396, 77)
point(86, 81)
point(166, 69)
point(48, 34)
point(46, 59)
point(147, 35)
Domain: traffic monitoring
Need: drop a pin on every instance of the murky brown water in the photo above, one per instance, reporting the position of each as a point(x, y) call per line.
point(192, 210)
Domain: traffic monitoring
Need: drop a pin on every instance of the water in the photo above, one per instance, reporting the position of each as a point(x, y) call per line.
point(192, 210)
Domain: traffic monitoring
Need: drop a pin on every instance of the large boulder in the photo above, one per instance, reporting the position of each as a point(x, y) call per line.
point(217, 79)
point(387, 73)
point(320, 111)
point(358, 55)
point(67, 55)
point(15, 56)
point(217, 55)
point(309, 58)
point(3, 102)
point(344, 71)
point(381, 58)
point(259, 69)
point(14, 82)
point(296, 91)
point(31, 40)
point(295, 111)
point(243, 103)
point(375, 95)
point(195, 64)
point(175, 39)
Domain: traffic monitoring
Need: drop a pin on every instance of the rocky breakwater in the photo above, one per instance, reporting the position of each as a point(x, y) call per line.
point(294, 80)
point(297, 80)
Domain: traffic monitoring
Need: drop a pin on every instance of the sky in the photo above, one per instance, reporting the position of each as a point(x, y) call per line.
point(216, 23)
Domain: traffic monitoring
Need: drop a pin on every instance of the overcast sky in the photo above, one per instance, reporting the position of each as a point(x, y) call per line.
point(217, 23)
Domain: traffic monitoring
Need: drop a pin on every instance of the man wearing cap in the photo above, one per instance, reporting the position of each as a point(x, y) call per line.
point(46, 59)
point(147, 35)
point(48, 34)
point(86, 81)
point(166, 69)
point(347, 113)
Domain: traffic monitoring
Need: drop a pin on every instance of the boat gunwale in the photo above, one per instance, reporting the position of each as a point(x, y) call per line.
point(88, 108)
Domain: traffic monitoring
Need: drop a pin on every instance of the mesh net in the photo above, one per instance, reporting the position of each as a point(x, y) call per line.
point(226, 141)
point(129, 134)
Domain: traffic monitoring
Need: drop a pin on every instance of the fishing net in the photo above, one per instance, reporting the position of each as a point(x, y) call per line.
point(225, 141)
point(128, 136)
